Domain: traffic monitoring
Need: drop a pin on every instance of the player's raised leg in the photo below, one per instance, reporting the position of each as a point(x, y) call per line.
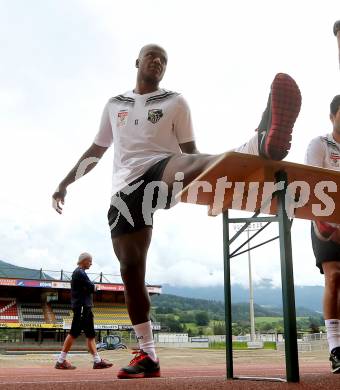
point(272, 140)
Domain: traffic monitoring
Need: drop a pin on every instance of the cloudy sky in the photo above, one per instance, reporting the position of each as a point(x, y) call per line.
point(61, 61)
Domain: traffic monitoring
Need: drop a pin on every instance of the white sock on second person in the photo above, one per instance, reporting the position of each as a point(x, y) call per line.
point(97, 358)
point(62, 357)
point(333, 333)
point(145, 339)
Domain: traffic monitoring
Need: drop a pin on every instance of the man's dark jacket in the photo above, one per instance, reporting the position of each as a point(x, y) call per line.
point(81, 289)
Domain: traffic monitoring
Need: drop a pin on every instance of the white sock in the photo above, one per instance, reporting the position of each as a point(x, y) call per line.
point(97, 358)
point(145, 339)
point(62, 357)
point(250, 147)
point(333, 333)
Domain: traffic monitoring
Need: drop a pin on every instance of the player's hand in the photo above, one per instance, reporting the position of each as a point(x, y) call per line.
point(335, 237)
point(58, 199)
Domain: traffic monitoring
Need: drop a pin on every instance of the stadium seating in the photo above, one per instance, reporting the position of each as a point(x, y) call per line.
point(111, 313)
point(62, 311)
point(31, 312)
point(8, 310)
point(104, 313)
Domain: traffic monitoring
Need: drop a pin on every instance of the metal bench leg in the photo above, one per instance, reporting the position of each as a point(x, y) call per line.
point(287, 277)
point(227, 297)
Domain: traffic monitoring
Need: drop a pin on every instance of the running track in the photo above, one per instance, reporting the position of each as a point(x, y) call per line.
point(313, 376)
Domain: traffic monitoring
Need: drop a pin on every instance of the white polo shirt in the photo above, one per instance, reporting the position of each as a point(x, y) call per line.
point(324, 152)
point(144, 129)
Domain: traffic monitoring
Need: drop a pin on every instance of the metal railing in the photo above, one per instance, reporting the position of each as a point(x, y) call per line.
point(62, 275)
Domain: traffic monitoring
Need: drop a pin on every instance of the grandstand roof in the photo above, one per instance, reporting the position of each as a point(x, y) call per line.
point(15, 276)
point(8, 270)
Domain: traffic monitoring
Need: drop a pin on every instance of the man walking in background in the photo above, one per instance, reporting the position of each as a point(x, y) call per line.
point(324, 152)
point(82, 290)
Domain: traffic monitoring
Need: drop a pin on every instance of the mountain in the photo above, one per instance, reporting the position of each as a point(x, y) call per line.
point(265, 294)
point(8, 270)
point(167, 303)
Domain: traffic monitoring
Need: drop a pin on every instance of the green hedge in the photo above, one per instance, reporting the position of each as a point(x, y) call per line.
point(269, 345)
point(239, 345)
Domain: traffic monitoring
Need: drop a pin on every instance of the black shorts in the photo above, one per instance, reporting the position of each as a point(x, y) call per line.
point(130, 212)
point(82, 320)
point(324, 251)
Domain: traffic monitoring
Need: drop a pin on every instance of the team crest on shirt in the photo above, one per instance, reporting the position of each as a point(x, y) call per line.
point(155, 115)
point(335, 157)
point(122, 118)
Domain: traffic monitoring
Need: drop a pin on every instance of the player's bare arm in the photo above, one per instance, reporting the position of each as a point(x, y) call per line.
point(189, 148)
point(338, 36)
point(335, 236)
point(336, 31)
point(84, 165)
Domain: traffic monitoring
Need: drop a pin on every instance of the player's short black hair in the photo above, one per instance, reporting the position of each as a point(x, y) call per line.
point(335, 104)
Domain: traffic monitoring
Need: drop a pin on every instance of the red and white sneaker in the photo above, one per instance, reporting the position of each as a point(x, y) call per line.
point(276, 126)
point(65, 365)
point(141, 366)
point(102, 364)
